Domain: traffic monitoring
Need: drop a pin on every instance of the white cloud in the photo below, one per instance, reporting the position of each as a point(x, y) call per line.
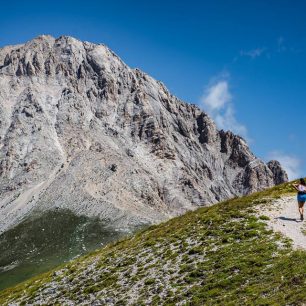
point(253, 53)
point(217, 102)
point(290, 163)
point(217, 96)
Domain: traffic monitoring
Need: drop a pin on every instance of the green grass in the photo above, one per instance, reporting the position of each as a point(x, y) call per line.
point(220, 255)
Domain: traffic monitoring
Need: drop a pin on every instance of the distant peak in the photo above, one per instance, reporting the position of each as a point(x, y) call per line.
point(44, 36)
point(67, 38)
point(51, 39)
point(40, 40)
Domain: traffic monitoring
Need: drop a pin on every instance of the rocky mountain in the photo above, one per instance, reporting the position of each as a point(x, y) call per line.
point(80, 130)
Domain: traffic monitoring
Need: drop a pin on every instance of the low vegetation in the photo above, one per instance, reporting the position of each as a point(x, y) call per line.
point(220, 255)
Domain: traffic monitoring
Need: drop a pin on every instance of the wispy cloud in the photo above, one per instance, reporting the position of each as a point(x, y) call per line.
point(253, 53)
point(217, 102)
point(284, 46)
point(290, 163)
point(281, 44)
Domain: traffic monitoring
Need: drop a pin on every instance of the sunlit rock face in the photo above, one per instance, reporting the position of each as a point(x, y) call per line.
point(80, 130)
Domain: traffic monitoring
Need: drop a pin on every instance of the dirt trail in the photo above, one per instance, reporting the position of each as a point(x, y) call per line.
point(285, 218)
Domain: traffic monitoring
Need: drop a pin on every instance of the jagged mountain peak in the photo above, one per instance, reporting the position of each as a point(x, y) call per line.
point(81, 130)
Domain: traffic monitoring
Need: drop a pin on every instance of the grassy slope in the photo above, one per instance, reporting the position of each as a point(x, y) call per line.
point(221, 255)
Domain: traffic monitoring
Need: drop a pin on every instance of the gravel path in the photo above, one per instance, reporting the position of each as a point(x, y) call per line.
point(285, 218)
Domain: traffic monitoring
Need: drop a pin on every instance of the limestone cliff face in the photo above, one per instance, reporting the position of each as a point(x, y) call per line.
point(79, 129)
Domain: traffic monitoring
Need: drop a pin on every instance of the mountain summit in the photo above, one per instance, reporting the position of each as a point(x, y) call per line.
point(80, 130)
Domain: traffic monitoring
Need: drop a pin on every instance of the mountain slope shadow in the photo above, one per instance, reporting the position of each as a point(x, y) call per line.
point(43, 241)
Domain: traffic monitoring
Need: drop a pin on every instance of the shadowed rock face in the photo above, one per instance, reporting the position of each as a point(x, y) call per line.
point(80, 130)
point(279, 174)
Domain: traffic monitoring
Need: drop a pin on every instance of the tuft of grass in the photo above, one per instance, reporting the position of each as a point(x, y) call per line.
point(264, 218)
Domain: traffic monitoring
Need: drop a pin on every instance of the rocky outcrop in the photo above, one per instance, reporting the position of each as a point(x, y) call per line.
point(81, 130)
point(279, 174)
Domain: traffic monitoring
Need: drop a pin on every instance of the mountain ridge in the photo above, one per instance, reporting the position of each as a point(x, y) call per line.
point(73, 115)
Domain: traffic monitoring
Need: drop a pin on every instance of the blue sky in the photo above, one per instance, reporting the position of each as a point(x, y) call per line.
point(241, 61)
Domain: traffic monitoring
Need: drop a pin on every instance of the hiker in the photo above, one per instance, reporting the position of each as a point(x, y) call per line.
point(301, 196)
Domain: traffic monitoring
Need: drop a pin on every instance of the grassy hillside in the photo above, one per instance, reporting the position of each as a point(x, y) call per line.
point(221, 255)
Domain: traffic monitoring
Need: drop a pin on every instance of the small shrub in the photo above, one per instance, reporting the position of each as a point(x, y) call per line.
point(149, 281)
